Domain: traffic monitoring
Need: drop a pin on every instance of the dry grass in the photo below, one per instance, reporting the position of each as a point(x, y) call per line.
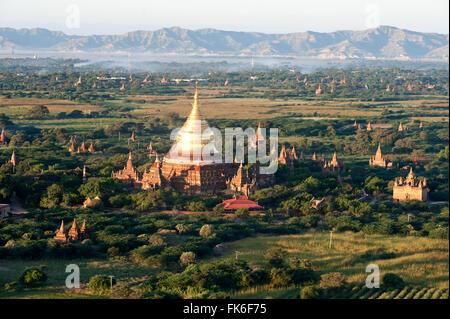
point(19, 106)
point(420, 261)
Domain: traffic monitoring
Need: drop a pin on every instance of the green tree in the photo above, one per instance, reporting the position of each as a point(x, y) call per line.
point(275, 257)
point(332, 280)
point(101, 284)
point(187, 258)
point(206, 230)
point(392, 281)
point(38, 111)
point(32, 277)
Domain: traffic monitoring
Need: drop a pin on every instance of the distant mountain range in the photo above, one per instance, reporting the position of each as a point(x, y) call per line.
point(384, 42)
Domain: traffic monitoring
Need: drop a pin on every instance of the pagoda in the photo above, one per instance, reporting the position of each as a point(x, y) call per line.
point(294, 153)
point(410, 188)
point(74, 232)
point(151, 150)
point(91, 148)
point(369, 127)
point(283, 158)
point(242, 182)
point(61, 235)
point(13, 159)
point(379, 159)
point(319, 90)
point(333, 166)
point(72, 147)
point(84, 179)
point(400, 127)
point(84, 231)
point(185, 167)
point(3, 137)
point(128, 174)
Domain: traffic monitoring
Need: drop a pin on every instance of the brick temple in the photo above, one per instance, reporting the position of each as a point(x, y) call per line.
point(379, 159)
point(187, 170)
point(74, 234)
point(410, 188)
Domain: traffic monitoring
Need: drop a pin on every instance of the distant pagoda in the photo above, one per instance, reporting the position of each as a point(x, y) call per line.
point(379, 159)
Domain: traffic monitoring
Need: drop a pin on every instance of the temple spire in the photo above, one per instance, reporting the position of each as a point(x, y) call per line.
point(61, 229)
point(129, 162)
point(379, 150)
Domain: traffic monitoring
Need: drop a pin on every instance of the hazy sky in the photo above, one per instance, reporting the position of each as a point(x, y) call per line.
point(269, 16)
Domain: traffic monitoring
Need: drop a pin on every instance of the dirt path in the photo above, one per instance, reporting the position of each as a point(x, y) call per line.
point(16, 206)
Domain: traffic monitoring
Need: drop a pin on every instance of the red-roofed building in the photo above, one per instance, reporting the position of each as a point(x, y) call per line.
point(238, 202)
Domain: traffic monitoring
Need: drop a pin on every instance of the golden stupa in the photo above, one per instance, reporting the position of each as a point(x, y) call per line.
point(187, 170)
point(191, 140)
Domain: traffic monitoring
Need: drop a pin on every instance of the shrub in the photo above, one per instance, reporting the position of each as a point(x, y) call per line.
point(169, 256)
point(187, 258)
point(121, 291)
point(219, 295)
point(242, 212)
point(113, 251)
point(157, 241)
point(206, 230)
point(10, 285)
point(332, 280)
point(219, 210)
point(142, 253)
point(100, 284)
point(309, 292)
point(275, 257)
point(32, 277)
point(279, 277)
point(181, 229)
point(392, 281)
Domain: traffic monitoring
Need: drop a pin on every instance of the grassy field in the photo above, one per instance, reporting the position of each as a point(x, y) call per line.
point(10, 270)
point(19, 106)
point(215, 106)
point(418, 260)
point(421, 262)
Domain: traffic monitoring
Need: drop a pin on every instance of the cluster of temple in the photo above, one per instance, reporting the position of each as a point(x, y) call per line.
point(334, 166)
point(74, 234)
point(82, 148)
point(290, 157)
point(187, 170)
point(410, 188)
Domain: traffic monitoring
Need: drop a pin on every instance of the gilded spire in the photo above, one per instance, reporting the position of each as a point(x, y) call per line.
point(191, 137)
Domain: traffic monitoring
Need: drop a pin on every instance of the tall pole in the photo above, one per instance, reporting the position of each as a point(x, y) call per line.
point(111, 281)
point(331, 239)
